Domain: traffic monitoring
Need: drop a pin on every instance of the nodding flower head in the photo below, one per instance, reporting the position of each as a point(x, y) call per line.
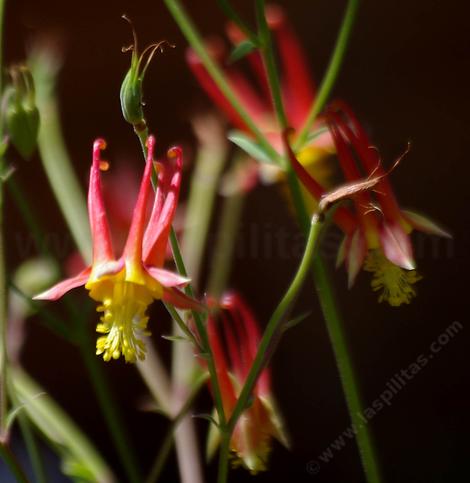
point(126, 286)
point(234, 337)
point(377, 230)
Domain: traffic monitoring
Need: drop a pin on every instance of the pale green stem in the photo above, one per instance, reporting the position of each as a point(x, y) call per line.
point(109, 409)
point(60, 173)
point(54, 423)
point(169, 439)
point(221, 262)
point(272, 332)
point(3, 274)
point(322, 282)
point(28, 437)
point(212, 153)
point(331, 73)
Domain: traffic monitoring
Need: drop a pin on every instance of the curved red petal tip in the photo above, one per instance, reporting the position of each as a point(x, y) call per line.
point(150, 143)
point(175, 152)
point(275, 16)
point(98, 146)
point(228, 300)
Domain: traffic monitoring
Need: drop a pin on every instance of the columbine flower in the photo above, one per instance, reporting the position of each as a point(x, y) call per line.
point(234, 337)
point(298, 91)
point(125, 287)
point(379, 241)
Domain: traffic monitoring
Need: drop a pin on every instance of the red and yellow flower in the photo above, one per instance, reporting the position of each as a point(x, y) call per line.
point(377, 232)
point(125, 287)
point(234, 338)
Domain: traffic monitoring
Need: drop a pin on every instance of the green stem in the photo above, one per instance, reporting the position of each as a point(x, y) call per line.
point(269, 62)
point(272, 332)
point(57, 426)
point(196, 42)
point(168, 441)
point(3, 318)
point(58, 168)
point(225, 243)
point(222, 473)
point(331, 73)
point(322, 282)
point(10, 460)
point(109, 409)
point(232, 14)
point(33, 450)
point(201, 328)
point(323, 285)
point(3, 274)
point(29, 437)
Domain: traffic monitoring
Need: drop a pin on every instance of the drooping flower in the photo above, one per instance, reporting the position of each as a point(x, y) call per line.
point(234, 337)
point(380, 241)
point(126, 286)
point(298, 92)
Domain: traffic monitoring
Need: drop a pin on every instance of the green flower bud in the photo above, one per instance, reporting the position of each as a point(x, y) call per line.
point(131, 94)
point(22, 115)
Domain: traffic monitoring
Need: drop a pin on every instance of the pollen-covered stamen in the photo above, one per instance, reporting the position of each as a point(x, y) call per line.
point(393, 282)
point(124, 320)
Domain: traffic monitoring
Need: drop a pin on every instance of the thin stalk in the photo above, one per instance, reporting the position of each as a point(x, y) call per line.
point(32, 449)
point(182, 325)
point(323, 284)
point(269, 62)
point(3, 318)
point(28, 437)
point(272, 332)
point(58, 168)
point(331, 72)
point(57, 426)
point(108, 407)
point(3, 273)
point(232, 210)
point(201, 328)
point(222, 472)
point(169, 439)
point(10, 460)
point(194, 39)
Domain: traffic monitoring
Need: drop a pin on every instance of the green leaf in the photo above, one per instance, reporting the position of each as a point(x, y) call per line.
point(315, 134)
point(207, 417)
point(295, 321)
point(249, 146)
point(241, 50)
point(176, 338)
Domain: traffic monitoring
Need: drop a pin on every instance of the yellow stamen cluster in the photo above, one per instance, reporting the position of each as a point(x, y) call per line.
point(124, 320)
point(393, 282)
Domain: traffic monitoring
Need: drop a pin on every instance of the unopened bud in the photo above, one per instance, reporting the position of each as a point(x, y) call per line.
point(131, 94)
point(22, 115)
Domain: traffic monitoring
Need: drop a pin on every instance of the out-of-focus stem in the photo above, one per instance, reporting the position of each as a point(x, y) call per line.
point(58, 168)
point(225, 243)
point(57, 426)
point(108, 407)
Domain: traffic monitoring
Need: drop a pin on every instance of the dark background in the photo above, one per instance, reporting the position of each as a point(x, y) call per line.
point(406, 75)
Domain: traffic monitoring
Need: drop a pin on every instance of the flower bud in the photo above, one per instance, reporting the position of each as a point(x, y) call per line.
point(131, 93)
point(22, 115)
